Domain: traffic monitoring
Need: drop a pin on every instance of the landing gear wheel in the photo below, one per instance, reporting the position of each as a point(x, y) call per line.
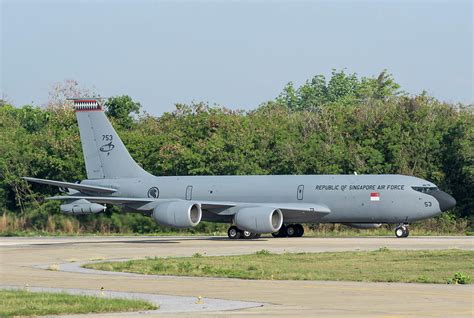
point(299, 230)
point(247, 235)
point(399, 232)
point(233, 232)
point(281, 232)
point(291, 230)
point(402, 231)
point(407, 232)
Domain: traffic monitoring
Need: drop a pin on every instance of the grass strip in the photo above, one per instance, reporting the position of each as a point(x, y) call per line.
point(383, 265)
point(24, 303)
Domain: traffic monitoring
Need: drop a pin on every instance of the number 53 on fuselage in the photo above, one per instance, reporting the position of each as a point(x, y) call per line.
point(252, 205)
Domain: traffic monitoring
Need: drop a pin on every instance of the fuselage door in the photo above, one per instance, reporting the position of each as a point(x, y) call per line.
point(189, 192)
point(299, 192)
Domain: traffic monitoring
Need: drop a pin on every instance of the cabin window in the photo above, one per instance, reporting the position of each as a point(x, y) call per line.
point(425, 189)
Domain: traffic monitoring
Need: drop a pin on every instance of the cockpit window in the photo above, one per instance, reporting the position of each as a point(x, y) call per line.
point(425, 189)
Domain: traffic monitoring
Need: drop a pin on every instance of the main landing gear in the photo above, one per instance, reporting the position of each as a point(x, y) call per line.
point(402, 231)
point(235, 233)
point(290, 230)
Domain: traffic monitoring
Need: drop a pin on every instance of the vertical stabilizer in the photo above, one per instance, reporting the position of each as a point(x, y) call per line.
point(105, 154)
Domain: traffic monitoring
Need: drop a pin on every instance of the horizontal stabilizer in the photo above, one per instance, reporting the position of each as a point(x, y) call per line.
point(71, 185)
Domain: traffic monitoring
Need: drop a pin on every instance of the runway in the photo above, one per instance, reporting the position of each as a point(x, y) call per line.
point(24, 261)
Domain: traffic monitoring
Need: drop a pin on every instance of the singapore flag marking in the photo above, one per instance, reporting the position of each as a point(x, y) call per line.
point(374, 196)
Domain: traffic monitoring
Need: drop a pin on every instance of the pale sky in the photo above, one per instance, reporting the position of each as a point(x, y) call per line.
point(236, 54)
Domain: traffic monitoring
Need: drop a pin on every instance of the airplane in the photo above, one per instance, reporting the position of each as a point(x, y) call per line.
point(252, 205)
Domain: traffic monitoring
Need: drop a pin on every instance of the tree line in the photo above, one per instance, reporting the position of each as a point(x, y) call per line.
point(342, 125)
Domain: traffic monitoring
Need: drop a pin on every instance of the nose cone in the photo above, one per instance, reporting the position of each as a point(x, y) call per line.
point(446, 201)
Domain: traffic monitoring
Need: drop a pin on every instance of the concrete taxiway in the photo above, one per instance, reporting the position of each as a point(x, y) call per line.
point(24, 261)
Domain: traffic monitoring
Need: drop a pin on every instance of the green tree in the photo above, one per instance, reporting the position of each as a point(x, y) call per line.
point(121, 109)
point(344, 125)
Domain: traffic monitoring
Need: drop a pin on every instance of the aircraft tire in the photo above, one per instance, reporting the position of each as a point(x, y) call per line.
point(399, 232)
point(247, 235)
point(281, 232)
point(299, 230)
point(233, 233)
point(402, 231)
point(407, 232)
point(291, 230)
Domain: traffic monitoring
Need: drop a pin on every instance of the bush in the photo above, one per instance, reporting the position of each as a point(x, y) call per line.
point(263, 252)
point(460, 278)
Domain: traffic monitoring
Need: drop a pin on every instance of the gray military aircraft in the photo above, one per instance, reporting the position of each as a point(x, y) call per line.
point(253, 205)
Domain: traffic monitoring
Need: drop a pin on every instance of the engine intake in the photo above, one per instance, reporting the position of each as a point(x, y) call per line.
point(259, 219)
point(180, 214)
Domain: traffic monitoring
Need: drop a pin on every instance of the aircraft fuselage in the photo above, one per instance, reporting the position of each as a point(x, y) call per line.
point(351, 198)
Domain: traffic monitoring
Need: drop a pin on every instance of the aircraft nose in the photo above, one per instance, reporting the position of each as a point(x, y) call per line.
point(446, 201)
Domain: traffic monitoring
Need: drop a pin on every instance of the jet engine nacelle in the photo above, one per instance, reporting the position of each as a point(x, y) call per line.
point(365, 226)
point(82, 206)
point(259, 220)
point(181, 214)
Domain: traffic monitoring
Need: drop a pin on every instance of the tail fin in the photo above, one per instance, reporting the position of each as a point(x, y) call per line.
point(105, 154)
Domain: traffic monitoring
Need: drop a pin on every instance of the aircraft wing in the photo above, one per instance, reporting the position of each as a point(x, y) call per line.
point(302, 207)
point(218, 207)
point(298, 207)
point(110, 200)
point(71, 185)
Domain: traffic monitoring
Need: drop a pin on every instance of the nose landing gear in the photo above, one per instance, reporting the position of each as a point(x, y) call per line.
point(402, 231)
